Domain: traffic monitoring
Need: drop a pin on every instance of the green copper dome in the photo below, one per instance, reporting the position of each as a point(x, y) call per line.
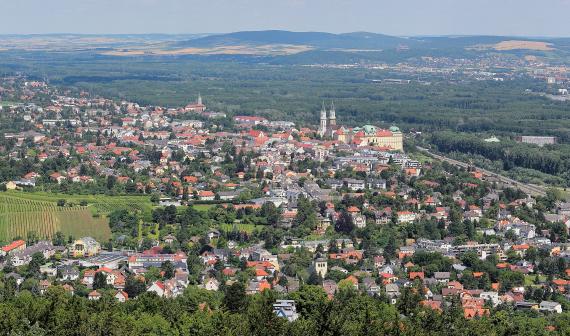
point(394, 129)
point(369, 129)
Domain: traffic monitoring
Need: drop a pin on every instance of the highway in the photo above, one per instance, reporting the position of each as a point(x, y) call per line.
point(530, 189)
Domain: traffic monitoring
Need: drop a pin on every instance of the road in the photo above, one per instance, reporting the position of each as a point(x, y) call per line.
point(530, 189)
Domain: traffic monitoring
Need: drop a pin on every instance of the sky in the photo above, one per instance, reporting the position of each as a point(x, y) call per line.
point(394, 17)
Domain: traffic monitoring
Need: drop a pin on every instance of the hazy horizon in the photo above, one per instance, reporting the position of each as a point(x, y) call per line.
point(289, 30)
point(528, 18)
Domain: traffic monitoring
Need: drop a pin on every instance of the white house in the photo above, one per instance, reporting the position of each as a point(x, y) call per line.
point(492, 297)
point(211, 284)
point(122, 296)
point(551, 307)
point(158, 288)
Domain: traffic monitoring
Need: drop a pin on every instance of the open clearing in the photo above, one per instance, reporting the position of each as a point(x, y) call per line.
point(527, 45)
point(262, 50)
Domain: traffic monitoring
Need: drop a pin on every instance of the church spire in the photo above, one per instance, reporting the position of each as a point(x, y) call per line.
point(332, 115)
point(323, 124)
point(199, 102)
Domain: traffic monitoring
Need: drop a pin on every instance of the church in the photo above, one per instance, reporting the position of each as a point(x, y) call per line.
point(197, 107)
point(367, 135)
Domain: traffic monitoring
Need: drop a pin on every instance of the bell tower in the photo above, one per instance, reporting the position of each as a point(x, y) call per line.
point(332, 116)
point(323, 125)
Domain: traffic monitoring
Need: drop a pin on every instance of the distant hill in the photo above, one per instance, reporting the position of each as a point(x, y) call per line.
point(306, 47)
point(359, 40)
point(287, 47)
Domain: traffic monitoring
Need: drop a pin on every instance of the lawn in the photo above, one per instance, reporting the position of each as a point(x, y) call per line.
point(203, 207)
point(529, 279)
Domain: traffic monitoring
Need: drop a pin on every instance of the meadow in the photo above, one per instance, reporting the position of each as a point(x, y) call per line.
point(249, 228)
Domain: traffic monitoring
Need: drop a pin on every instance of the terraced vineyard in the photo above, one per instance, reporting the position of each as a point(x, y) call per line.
point(21, 213)
point(101, 204)
point(106, 205)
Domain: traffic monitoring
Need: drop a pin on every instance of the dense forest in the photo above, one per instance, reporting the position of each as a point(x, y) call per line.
point(199, 312)
point(296, 92)
point(552, 159)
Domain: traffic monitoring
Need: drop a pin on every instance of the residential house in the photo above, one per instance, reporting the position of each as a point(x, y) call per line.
point(94, 295)
point(442, 277)
point(15, 246)
point(23, 257)
point(392, 292)
point(206, 195)
point(211, 284)
point(492, 297)
point(68, 273)
point(330, 287)
point(406, 216)
point(121, 296)
point(551, 307)
point(286, 309)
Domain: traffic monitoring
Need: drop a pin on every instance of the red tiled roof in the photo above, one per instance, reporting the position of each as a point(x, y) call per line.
point(13, 245)
point(94, 294)
point(414, 275)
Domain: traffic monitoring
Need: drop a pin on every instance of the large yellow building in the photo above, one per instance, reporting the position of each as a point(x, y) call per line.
point(371, 136)
point(368, 135)
point(85, 247)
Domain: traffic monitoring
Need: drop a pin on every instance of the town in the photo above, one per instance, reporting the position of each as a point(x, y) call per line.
point(243, 204)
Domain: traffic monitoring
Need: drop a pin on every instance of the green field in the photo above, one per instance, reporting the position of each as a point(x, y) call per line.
point(203, 207)
point(241, 227)
point(22, 212)
point(529, 279)
point(7, 103)
point(565, 193)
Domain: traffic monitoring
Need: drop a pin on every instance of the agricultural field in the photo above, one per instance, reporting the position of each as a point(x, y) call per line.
point(75, 222)
point(21, 213)
point(98, 204)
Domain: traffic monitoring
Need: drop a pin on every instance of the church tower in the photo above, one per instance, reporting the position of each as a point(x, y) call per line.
point(199, 102)
point(323, 125)
point(332, 116)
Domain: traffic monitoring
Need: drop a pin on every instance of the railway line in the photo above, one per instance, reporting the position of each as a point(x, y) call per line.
point(530, 189)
